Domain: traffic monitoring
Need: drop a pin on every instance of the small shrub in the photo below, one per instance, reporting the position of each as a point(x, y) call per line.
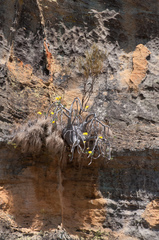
point(90, 66)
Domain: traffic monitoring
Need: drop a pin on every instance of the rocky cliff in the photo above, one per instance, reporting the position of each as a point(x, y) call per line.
point(40, 44)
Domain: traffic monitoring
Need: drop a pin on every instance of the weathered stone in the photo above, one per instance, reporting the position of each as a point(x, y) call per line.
point(40, 42)
point(151, 214)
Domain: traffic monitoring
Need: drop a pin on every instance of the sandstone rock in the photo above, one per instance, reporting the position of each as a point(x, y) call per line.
point(140, 65)
point(40, 43)
point(151, 214)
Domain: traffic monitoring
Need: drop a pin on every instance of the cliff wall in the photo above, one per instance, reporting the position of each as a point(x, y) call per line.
point(40, 43)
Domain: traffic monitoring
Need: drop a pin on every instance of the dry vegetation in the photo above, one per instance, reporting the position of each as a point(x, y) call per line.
point(75, 127)
point(90, 66)
point(62, 126)
point(39, 134)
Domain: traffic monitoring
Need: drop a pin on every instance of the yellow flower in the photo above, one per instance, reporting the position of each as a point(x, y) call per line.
point(86, 107)
point(87, 148)
point(100, 137)
point(52, 113)
point(85, 133)
point(53, 121)
point(39, 113)
point(84, 141)
point(90, 152)
point(58, 98)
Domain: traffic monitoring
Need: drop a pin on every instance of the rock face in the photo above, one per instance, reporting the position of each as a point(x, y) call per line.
point(40, 44)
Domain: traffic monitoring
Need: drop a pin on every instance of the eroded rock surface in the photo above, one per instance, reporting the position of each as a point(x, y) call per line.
point(40, 42)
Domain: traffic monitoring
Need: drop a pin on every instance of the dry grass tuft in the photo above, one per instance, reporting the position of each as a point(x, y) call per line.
point(37, 134)
point(54, 143)
point(30, 140)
